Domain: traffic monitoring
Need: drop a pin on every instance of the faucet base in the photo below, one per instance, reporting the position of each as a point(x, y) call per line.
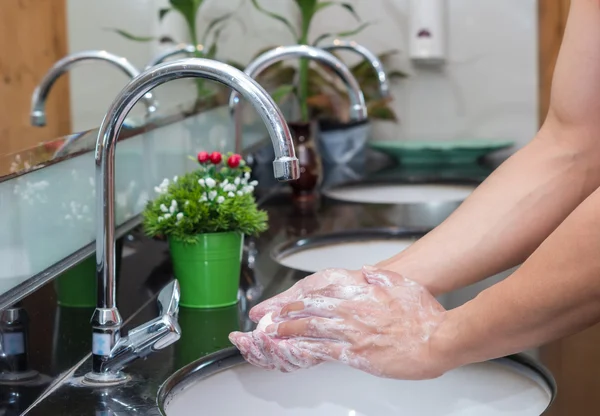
point(105, 379)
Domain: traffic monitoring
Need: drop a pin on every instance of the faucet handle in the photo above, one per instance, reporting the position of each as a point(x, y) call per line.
point(168, 299)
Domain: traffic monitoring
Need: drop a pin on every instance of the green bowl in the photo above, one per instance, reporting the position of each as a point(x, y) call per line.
point(439, 152)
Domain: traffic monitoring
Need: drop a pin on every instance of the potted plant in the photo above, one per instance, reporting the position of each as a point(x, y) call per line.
point(206, 41)
point(204, 215)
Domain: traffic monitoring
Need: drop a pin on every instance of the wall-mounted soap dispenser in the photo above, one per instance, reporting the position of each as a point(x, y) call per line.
point(428, 31)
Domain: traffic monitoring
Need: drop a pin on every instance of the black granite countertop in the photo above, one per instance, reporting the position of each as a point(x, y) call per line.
point(60, 338)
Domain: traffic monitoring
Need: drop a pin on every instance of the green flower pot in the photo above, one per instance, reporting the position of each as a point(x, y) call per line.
point(204, 331)
point(208, 271)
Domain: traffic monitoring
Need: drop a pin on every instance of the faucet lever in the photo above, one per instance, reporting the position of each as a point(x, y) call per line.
point(141, 341)
point(168, 299)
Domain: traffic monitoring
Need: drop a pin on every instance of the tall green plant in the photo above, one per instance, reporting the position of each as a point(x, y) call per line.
point(206, 40)
point(308, 10)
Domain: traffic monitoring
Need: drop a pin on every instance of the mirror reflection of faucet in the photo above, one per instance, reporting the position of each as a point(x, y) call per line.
point(20, 385)
point(41, 92)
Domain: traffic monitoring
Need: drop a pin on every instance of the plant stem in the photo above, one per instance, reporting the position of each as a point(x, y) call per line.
point(303, 78)
point(198, 54)
point(307, 16)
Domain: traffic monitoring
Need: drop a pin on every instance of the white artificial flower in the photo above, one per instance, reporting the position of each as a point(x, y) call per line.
point(186, 203)
point(220, 200)
point(240, 193)
point(247, 175)
point(167, 216)
point(175, 179)
point(231, 195)
point(160, 219)
point(201, 182)
point(163, 208)
point(237, 181)
point(230, 188)
point(212, 195)
point(224, 183)
point(248, 189)
point(203, 198)
point(179, 216)
point(254, 183)
point(210, 182)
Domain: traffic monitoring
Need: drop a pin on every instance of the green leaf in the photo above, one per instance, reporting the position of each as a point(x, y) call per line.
point(281, 92)
point(276, 16)
point(212, 51)
point(189, 10)
point(131, 36)
point(381, 111)
point(342, 34)
point(397, 74)
point(351, 9)
point(235, 64)
point(162, 13)
point(213, 24)
point(325, 4)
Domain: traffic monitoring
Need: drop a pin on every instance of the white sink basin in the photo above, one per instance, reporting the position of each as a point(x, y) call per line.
point(350, 255)
point(345, 250)
point(401, 193)
point(231, 387)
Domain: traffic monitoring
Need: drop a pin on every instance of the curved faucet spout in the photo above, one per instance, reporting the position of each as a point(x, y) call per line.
point(183, 49)
point(374, 61)
point(358, 110)
point(40, 94)
point(106, 321)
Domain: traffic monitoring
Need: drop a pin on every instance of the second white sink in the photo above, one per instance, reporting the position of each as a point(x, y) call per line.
point(401, 193)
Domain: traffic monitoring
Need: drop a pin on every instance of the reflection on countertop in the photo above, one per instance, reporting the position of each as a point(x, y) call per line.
point(59, 341)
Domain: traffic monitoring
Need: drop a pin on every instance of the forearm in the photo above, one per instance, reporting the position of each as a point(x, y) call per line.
point(555, 293)
point(525, 199)
point(506, 218)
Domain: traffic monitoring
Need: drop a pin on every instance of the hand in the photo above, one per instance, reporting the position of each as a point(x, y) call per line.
point(278, 354)
point(381, 323)
point(311, 283)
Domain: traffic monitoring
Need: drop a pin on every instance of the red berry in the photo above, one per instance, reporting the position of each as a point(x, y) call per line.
point(234, 161)
point(215, 158)
point(203, 157)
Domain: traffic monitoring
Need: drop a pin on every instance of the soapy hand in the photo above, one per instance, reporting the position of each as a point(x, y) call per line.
point(309, 284)
point(373, 320)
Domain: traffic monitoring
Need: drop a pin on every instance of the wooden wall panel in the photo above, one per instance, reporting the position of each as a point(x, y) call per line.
point(33, 35)
point(574, 361)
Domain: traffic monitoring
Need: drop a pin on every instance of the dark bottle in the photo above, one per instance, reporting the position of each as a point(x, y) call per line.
point(305, 188)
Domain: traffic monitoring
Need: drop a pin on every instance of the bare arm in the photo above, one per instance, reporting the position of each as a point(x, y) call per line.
point(555, 293)
point(525, 199)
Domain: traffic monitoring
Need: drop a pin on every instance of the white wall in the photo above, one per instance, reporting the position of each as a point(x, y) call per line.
point(488, 89)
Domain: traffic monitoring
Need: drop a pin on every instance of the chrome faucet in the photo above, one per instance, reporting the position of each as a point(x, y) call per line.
point(358, 109)
point(374, 61)
point(109, 352)
point(182, 49)
point(40, 94)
